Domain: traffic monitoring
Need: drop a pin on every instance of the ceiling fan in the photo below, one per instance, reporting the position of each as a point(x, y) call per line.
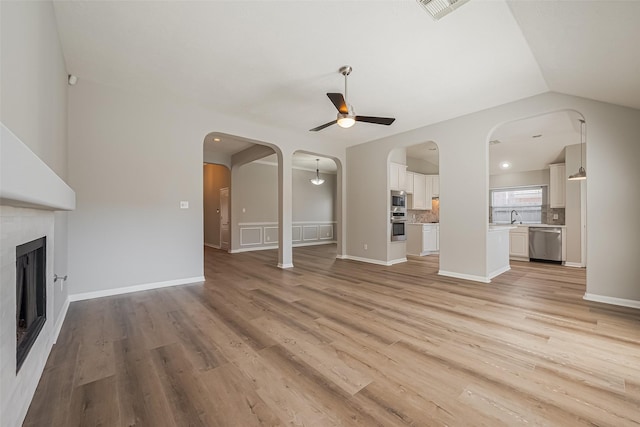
point(346, 118)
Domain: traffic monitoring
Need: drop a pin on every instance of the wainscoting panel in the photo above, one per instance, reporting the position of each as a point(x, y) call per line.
point(250, 236)
point(264, 235)
point(325, 232)
point(309, 232)
point(297, 233)
point(270, 235)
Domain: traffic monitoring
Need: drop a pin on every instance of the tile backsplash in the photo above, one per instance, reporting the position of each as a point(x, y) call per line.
point(548, 213)
point(426, 216)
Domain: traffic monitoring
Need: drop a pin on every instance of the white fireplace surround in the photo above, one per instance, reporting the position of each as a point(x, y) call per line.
point(30, 192)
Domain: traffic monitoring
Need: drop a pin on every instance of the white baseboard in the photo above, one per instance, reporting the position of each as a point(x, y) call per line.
point(60, 321)
point(372, 261)
point(135, 288)
point(322, 242)
point(498, 272)
point(573, 264)
point(212, 246)
point(612, 300)
point(464, 276)
point(288, 265)
point(342, 256)
point(261, 248)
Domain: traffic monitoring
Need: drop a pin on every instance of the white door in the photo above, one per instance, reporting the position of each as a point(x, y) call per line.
point(224, 218)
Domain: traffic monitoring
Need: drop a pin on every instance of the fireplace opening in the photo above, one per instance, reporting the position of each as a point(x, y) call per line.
point(31, 295)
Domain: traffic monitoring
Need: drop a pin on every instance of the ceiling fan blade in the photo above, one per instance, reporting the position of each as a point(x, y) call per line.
point(326, 125)
point(377, 120)
point(338, 101)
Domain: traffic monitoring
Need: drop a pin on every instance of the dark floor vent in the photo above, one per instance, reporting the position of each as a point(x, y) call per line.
point(31, 295)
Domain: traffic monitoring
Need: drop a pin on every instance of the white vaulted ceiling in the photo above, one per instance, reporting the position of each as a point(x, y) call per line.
point(270, 60)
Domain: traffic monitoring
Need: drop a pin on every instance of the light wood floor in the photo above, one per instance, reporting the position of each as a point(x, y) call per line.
point(334, 342)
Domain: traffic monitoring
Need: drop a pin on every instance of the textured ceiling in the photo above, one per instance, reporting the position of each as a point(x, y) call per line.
point(267, 60)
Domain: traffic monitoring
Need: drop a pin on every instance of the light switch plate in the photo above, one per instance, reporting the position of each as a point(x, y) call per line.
point(555, 216)
point(184, 205)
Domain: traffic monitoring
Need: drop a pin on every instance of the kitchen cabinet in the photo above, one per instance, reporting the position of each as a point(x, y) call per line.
point(435, 185)
point(557, 185)
point(397, 176)
point(423, 239)
point(519, 243)
point(409, 182)
point(422, 192)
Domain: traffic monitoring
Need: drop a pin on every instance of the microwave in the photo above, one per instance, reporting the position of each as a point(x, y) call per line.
point(398, 200)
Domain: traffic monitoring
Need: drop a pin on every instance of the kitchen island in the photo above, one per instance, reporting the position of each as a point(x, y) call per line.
point(423, 238)
point(498, 250)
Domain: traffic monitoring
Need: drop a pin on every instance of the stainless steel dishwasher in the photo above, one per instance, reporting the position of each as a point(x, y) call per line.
point(545, 244)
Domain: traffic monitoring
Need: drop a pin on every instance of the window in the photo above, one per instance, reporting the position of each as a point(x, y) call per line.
point(525, 201)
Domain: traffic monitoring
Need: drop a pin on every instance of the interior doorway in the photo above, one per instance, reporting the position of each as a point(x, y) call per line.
point(224, 219)
point(216, 178)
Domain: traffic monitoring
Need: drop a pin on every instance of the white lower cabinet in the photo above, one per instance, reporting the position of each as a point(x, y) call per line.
point(519, 243)
point(423, 239)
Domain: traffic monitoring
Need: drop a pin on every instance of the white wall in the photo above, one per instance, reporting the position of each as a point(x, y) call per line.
point(132, 159)
point(463, 143)
point(33, 94)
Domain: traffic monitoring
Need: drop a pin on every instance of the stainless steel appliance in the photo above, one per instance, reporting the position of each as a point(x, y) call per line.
point(398, 229)
point(398, 200)
point(398, 216)
point(545, 244)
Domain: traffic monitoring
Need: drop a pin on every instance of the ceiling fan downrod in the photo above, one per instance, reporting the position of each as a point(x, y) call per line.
point(345, 71)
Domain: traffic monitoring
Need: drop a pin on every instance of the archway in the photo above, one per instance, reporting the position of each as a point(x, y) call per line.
point(420, 165)
point(317, 206)
point(530, 161)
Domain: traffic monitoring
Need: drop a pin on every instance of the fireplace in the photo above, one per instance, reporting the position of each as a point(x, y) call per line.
point(31, 295)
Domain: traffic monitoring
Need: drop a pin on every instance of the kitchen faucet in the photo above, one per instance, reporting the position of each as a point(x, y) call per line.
point(514, 212)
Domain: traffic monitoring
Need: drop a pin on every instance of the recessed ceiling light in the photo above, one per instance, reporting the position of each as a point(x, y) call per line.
point(216, 139)
point(505, 165)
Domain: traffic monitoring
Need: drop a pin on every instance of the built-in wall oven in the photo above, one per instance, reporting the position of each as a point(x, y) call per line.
point(398, 216)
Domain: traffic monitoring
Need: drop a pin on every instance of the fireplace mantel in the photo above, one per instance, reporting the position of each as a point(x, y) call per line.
point(26, 181)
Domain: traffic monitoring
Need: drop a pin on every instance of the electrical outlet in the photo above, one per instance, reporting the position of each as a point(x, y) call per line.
point(555, 216)
point(184, 205)
point(366, 246)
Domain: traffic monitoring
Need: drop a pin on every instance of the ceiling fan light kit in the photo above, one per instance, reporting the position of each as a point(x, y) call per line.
point(581, 174)
point(346, 118)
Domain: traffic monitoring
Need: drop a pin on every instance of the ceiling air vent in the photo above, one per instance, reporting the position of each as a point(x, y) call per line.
point(439, 8)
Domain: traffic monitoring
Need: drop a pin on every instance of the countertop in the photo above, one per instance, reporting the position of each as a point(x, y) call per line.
point(526, 225)
point(423, 223)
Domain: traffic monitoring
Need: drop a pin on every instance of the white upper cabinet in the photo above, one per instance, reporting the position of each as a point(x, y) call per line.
point(397, 176)
point(557, 185)
point(435, 185)
point(419, 194)
point(422, 192)
point(409, 183)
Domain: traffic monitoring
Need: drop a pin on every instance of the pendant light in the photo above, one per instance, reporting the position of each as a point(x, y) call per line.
point(581, 174)
point(317, 180)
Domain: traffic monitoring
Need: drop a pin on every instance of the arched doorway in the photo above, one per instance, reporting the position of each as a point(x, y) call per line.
point(530, 161)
